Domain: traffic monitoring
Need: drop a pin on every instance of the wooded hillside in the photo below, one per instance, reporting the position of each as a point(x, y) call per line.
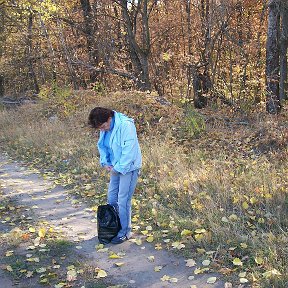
point(201, 50)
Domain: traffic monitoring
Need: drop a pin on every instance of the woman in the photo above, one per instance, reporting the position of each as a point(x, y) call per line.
point(120, 155)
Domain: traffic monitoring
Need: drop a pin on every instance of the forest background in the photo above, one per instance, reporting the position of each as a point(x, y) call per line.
point(205, 80)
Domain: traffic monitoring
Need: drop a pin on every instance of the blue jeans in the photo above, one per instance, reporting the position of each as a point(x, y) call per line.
point(120, 192)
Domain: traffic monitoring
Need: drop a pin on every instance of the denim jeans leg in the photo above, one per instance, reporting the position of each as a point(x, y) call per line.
point(113, 190)
point(127, 187)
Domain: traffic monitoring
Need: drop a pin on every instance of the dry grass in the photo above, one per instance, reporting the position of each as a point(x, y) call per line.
point(230, 181)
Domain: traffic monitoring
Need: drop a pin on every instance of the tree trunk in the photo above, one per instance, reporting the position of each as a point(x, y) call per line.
point(71, 70)
point(202, 81)
point(139, 55)
point(189, 31)
point(90, 27)
point(1, 49)
point(272, 58)
point(50, 49)
point(283, 51)
point(29, 54)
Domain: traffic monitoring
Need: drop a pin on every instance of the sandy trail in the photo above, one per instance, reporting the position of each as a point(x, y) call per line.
point(77, 222)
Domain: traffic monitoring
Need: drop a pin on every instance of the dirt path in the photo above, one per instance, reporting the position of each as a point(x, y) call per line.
point(77, 222)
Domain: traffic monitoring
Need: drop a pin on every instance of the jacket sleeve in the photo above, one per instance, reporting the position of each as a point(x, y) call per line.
point(104, 155)
point(128, 148)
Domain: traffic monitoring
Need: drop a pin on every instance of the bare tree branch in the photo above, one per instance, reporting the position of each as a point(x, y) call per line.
point(106, 70)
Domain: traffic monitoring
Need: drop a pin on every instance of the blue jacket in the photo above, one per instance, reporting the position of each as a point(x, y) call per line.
point(123, 143)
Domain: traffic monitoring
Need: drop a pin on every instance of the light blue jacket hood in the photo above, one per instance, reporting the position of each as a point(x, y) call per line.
point(124, 144)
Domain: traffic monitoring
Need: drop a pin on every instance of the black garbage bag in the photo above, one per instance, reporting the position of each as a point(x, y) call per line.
point(108, 223)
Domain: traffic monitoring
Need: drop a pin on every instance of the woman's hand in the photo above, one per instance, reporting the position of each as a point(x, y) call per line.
point(108, 168)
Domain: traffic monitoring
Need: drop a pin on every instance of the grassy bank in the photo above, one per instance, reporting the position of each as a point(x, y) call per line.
point(213, 185)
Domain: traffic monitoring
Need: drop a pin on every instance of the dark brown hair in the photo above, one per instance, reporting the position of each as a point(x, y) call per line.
point(98, 116)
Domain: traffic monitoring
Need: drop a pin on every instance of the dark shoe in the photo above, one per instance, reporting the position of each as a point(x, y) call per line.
point(118, 240)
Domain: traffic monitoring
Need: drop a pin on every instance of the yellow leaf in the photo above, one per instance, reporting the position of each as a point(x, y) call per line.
point(151, 258)
point(100, 246)
point(29, 274)
point(114, 256)
point(211, 280)
point(60, 285)
point(242, 274)
point(198, 237)
point(271, 273)
point(200, 250)
point(138, 242)
point(158, 268)
point(198, 271)
point(233, 217)
point(166, 56)
point(200, 230)
point(259, 260)
point(9, 253)
point(190, 263)
point(158, 246)
point(243, 280)
point(245, 205)
point(261, 220)
point(119, 264)
point(71, 275)
point(206, 262)
point(186, 232)
point(173, 280)
point(224, 219)
point(32, 230)
point(178, 245)
point(253, 200)
point(101, 273)
point(243, 245)
point(237, 262)
point(9, 268)
point(165, 278)
point(42, 232)
point(150, 239)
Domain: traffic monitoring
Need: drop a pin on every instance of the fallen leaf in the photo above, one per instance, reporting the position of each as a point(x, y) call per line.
point(206, 262)
point(165, 278)
point(259, 260)
point(150, 239)
point(119, 264)
point(237, 262)
point(158, 268)
point(101, 273)
point(211, 280)
point(151, 258)
point(190, 263)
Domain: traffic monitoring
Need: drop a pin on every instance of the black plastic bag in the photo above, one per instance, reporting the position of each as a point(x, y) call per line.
point(108, 223)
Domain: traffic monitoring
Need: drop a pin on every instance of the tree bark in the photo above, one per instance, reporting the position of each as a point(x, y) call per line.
point(29, 55)
point(2, 90)
point(71, 70)
point(139, 55)
point(283, 51)
point(272, 58)
point(201, 81)
point(89, 28)
point(50, 49)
